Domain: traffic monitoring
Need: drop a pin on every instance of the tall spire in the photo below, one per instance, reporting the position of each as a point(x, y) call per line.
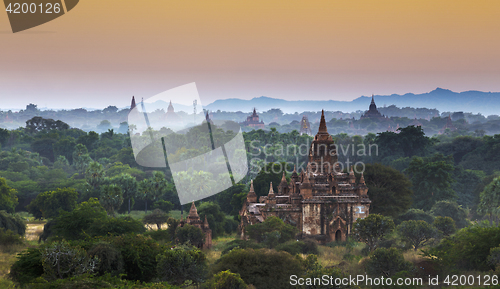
point(283, 179)
point(193, 212)
point(362, 180)
point(251, 196)
point(322, 123)
point(373, 100)
point(132, 105)
point(271, 191)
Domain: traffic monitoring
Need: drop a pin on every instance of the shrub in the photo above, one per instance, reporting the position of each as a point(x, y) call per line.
point(190, 235)
point(451, 209)
point(372, 229)
point(159, 235)
point(468, 249)
point(386, 262)
point(225, 280)
point(157, 217)
point(9, 238)
point(110, 259)
point(262, 268)
point(271, 232)
point(116, 226)
point(28, 266)
point(12, 222)
point(416, 233)
point(294, 247)
point(445, 225)
point(181, 264)
point(73, 225)
point(415, 214)
point(139, 256)
point(241, 244)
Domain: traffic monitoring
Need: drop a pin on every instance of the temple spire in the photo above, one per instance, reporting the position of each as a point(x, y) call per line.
point(362, 179)
point(193, 212)
point(322, 123)
point(132, 105)
point(271, 191)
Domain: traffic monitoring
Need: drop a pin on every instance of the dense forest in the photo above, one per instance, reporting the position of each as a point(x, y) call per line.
point(434, 210)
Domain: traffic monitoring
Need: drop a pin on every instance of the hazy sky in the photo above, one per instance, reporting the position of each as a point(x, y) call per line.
point(104, 51)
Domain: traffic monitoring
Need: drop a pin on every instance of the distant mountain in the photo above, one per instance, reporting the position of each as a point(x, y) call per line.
point(486, 103)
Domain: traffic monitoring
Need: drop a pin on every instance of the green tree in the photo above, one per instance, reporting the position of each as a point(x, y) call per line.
point(263, 268)
point(8, 198)
point(416, 233)
point(225, 280)
point(48, 204)
point(61, 260)
point(372, 229)
point(271, 232)
point(81, 158)
point(157, 217)
point(73, 225)
point(215, 217)
point(181, 264)
point(415, 214)
point(111, 198)
point(489, 203)
point(188, 234)
point(128, 185)
point(387, 262)
point(272, 172)
point(431, 178)
point(12, 222)
point(450, 209)
point(389, 190)
point(110, 259)
point(445, 225)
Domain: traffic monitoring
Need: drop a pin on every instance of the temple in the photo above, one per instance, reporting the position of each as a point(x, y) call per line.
point(193, 219)
point(321, 201)
point(372, 111)
point(253, 121)
point(305, 127)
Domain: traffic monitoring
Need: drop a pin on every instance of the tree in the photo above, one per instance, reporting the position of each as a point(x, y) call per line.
point(188, 234)
point(12, 222)
point(389, 190)
point(410, 141)
point(489, 203)
point(73, 225)
point(450, 209)
point(386, 262)
point(81, 158)
point(225, 280)
point(61, 260)
point(145, 191)
point(181, 264)
point(48, 204)
point(415, 214)
point(372, 229)
point(8, 198)
point(110, 259)
point(128, 185)
point(445, 225)
point(431, 178)
point(215, 217)
point(157, 217)
point(271, 232)
point(272, 172)
point(263, 268)
point(111, 198)
point(416, 233)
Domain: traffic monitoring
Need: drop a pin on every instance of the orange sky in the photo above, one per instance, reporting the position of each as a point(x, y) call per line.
point(104, 51)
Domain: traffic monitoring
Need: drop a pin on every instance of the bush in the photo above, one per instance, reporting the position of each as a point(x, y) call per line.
point(28, 266)
point(9, 238)
point(12, 222)
point(451, 209)
point(306, 246)
point(230, 225)
point(159, 235)
point(157, 217)
point(445, 225)
point(225, 280)
point(241, 244)
point(48, 204)
point(74, 225)
point(110, 259)
point(181, 264)
point(386, 262)
point(415, 214)
point(271, 232)
point(468, 249)
point(139, 256)
point(262, 268)
point(191, 235)
point(116, 226)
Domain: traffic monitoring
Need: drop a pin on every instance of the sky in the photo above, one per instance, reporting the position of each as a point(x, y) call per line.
point(103, 52)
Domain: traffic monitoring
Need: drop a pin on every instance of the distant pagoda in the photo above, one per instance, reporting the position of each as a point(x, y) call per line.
point(305, 127)
point(132, 104)
point(372, 111)
point(253, 121)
